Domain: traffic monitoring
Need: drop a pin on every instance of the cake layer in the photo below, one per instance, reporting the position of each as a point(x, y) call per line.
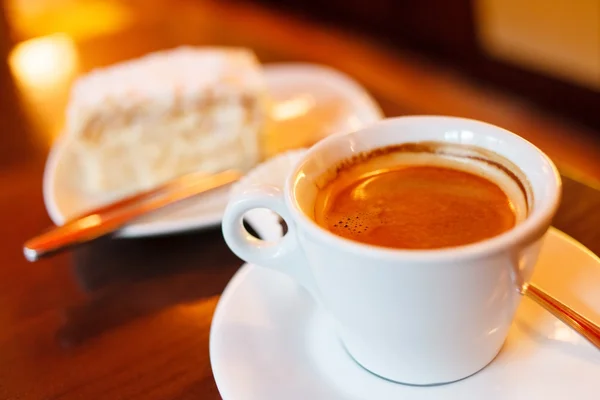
point(137, 124)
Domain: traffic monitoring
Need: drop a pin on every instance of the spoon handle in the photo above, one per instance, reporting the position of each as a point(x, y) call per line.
point(110, 218)
point(573, 319)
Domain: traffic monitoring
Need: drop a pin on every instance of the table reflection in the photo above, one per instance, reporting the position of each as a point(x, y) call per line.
point(130, 278)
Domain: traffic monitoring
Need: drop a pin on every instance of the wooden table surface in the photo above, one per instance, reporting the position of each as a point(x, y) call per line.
point(130, 319)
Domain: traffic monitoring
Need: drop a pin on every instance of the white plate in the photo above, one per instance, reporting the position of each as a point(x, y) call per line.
point(310, 102)
point(268, 341)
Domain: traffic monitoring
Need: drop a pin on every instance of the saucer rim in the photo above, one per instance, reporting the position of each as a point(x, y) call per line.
point(241, 275)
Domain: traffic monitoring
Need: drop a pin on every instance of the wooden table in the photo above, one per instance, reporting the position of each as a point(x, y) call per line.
point(130, 319)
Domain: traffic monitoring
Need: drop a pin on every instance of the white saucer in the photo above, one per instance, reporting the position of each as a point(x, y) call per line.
point(311, 102)
point(268, 341)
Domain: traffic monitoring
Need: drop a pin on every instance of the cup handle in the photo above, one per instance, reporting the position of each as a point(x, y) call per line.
point(284, 255)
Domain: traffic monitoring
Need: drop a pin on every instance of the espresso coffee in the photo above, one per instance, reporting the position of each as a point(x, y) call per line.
point(419, 197)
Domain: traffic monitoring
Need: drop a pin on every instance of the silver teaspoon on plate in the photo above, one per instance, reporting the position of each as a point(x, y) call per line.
point(114, 216)
point(586, 328)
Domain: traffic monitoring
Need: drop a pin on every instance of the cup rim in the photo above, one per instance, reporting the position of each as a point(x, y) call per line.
point(524, 232)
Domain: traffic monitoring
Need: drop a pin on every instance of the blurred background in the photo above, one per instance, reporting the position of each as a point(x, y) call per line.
point(548, 51)
point(502, 61)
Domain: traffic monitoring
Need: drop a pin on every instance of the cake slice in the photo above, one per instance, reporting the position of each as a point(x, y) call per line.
point(142, 122)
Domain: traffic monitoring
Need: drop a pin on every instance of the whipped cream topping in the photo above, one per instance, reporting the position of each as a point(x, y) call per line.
point(170, 77)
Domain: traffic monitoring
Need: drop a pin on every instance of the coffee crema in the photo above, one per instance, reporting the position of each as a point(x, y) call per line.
point(417, 196)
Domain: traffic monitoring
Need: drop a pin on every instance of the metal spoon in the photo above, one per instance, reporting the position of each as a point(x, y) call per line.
point(586, 328)
point(114, 216)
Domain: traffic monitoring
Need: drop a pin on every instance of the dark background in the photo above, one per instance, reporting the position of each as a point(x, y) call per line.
point(446, 30)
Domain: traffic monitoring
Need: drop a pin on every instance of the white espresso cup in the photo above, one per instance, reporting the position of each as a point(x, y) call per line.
point(418, 317)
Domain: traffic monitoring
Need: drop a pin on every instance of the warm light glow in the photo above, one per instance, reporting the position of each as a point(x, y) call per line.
point(89, 221)
point(44, 63)
point(44, 69)
point(563, 333)
point(293, 108)
point(80, 19)
point(360, 191)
